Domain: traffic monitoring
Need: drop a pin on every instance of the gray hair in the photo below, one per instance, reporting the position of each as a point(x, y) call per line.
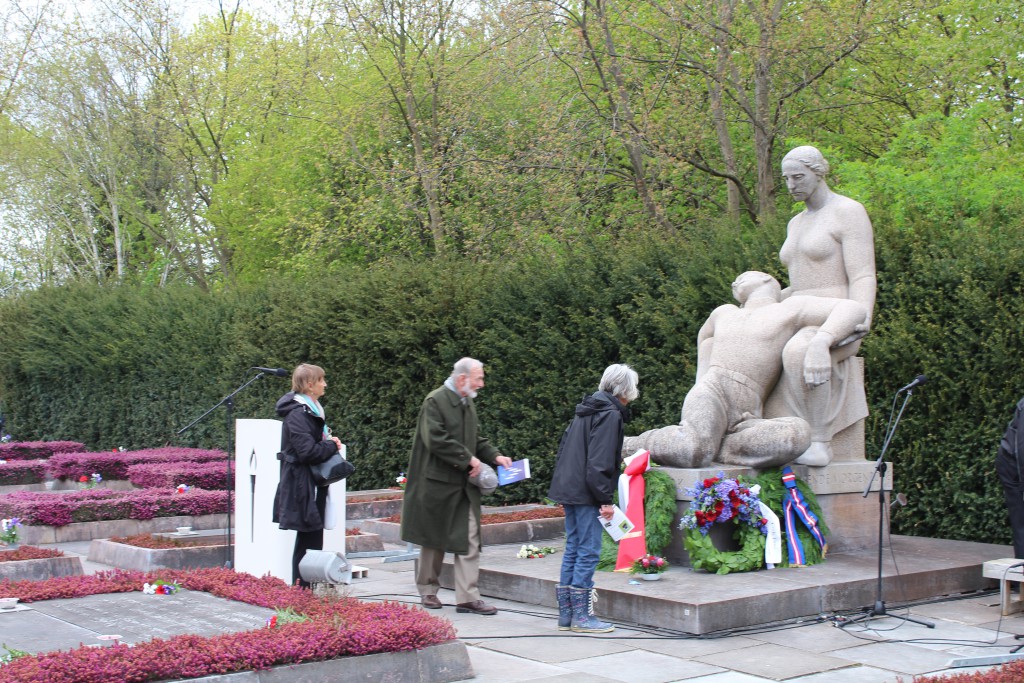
point(620, 381)
point(464, 366)
point(809, 157)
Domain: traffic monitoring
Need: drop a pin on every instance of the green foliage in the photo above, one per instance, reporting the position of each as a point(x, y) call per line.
point(659, 510)
point(9, 654)
point(704, 555)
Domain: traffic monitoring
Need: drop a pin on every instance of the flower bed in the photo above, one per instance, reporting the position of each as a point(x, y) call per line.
point(34, 450)
point(29, 552)
point(203, 475)
point(503, 517)
point(144, 553)
point(335, 628)
point(98, 504)
point(29, 563)
point(163, 542)
point(1011, 672)
point(14, 472)
point(115, 465)
point(497, 528)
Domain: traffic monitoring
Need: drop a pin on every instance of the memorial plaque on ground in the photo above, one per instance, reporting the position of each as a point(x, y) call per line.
point(137, 617)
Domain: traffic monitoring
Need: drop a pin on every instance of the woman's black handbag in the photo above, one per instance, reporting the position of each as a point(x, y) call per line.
point(331, 470)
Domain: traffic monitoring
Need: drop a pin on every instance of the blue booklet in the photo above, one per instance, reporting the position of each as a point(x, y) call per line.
point(517, 471)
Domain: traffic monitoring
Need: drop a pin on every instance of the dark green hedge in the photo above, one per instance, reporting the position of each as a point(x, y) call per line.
point(130, 367)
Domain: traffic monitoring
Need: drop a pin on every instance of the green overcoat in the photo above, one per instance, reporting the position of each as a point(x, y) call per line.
point(438, 495)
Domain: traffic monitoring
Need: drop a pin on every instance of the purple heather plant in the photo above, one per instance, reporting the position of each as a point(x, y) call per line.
point(114, 465)
point(204, 475)
point(33, 450)
point(29, 552)
point(336, 628)
point(51, 509)
point(22, 472)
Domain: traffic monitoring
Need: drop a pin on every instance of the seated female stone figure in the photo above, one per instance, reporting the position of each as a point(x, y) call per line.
point(829, 252)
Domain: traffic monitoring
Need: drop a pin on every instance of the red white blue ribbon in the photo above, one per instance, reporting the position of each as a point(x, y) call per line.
point(794, 506)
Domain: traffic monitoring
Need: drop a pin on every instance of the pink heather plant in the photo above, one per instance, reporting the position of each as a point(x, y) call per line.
point(1012, 672)
point(29, 552)
point(22, 472)
point(336, 628)
point(204, 475)
point(102, 504)
point(32, 450)
point(115, 465)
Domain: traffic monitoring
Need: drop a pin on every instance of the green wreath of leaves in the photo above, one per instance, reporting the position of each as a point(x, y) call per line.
point(704, 554)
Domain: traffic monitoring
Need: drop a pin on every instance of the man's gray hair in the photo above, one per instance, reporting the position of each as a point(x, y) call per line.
point(464, 366)
point(620, 381)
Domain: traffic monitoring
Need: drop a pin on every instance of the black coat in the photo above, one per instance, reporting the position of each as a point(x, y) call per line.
point(590, 455)
point(302, 445)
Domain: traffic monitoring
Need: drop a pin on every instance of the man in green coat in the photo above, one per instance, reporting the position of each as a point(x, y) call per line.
point(441, 510)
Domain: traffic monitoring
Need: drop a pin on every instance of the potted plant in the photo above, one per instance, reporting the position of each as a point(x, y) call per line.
point(649, 567)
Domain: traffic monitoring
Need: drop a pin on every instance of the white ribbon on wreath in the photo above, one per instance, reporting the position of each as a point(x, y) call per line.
point(773, 539)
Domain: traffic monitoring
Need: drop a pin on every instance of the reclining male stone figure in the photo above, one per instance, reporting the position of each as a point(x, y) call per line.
point(739, 360)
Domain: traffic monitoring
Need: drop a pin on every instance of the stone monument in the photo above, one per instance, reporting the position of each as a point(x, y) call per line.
point(778, 379)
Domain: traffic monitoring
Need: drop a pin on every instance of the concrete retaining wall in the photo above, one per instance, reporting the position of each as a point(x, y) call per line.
point(86, 531)
point(37, 570)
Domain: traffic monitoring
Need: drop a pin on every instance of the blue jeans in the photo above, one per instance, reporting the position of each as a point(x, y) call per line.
point(582, 545)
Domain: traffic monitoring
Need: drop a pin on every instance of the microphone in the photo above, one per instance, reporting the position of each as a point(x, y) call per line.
point(280, 372)
point(918, 381)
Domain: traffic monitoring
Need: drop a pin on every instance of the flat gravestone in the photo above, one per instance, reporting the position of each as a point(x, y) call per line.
point(137, 617)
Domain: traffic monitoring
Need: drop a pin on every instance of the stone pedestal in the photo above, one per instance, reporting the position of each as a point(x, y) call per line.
point(852, 519)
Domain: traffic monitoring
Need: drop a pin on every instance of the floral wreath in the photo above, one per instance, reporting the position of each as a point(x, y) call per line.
point(718, 500)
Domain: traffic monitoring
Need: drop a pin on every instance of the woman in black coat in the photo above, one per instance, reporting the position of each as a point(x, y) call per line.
point(299, 504)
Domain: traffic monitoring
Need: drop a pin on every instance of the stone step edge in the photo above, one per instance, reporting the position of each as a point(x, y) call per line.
point(87, 531)
point(441, 663)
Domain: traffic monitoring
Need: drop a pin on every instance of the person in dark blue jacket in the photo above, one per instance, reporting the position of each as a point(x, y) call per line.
point(299, 504)
point(584, 482)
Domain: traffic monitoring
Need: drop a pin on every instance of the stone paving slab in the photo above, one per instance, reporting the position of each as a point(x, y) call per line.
point(776, 662)
point(854, 674)
point(899, 657)
point(556, 649)
point(640, 665)
point(140, 617)
point(817, 637)
point(35, 632)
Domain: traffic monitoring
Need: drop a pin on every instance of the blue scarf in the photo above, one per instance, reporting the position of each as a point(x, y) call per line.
point(316, 408)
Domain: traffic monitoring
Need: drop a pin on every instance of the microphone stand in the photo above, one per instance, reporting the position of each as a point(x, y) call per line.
point(880, 468)
point(229, 403)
